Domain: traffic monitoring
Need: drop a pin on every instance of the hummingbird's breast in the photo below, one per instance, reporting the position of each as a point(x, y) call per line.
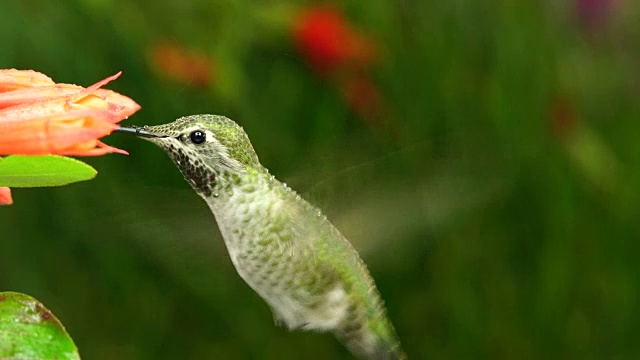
point(300, 264)
point(268, 240)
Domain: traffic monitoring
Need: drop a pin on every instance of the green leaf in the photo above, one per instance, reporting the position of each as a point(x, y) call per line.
point(28, 330)
point(43, 170)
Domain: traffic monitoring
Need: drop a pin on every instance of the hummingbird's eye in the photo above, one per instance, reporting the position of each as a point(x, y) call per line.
point(198, 137)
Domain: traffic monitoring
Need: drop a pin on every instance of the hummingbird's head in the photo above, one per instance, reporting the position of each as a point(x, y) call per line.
point(202, 147)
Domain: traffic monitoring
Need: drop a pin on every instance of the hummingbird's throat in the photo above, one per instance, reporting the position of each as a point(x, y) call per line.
point(199, 175)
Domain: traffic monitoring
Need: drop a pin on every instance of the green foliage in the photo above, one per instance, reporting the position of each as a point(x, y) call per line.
point(28, 330)
point(43, 170)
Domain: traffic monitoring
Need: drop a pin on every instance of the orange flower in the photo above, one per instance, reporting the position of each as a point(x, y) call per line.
point(12, 79)
point(122, 105)
point(175, 62)
point(38, 116)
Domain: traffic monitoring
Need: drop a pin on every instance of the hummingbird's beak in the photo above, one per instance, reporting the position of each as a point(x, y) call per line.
point(141, 132)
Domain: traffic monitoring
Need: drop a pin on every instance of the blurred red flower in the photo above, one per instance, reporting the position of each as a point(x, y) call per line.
point(363, 97)
point(38, 116)
point(173, 61)
point(595, 13)
point(329, 43)
point(563, 118)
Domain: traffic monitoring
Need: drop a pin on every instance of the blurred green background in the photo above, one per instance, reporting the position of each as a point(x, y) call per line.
point(483, 157)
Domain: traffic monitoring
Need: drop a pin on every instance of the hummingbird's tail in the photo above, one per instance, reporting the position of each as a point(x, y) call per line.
point(366, 344)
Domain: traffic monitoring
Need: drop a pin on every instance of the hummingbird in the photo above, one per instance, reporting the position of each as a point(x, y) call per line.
point(283, 247)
